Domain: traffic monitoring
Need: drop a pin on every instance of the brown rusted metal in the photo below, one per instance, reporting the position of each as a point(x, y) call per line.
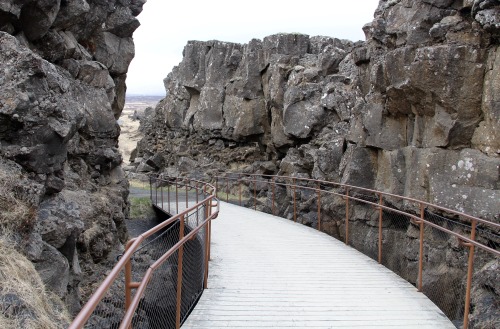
point(179, 275)
point(421, 247)
point(319, 207)
point(127, 319)
point(168, 197)
point(413, 218)
point(347, 216)
point(128, 278)
point(124, 264)
point(147, 277)
point(209, 228)
point(254, 194)
point(239, 187)
point(176, 197)
point(466, 241)
point(86, 311)
point(380, 217)
point(444, 209)
point(197, 215)
point(470, 268)
point(207, 245)
point(294, 202)
point(186, 186)
point(273, 185)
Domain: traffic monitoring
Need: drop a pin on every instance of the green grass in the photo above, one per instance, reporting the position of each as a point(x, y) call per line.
point(231, 197)
point(140, 207)
point(134, 183)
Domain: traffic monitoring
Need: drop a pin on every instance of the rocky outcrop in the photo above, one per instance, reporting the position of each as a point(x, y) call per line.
point(64, 65)
point(416, 99)
point(410, 111)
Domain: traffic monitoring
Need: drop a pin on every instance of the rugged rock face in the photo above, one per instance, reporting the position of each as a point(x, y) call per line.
point(64, 65)
point(411, 111)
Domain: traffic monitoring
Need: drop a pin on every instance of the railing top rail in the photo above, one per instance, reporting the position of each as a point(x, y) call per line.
point(133, 245)
point(340, 185)
point(127, 319)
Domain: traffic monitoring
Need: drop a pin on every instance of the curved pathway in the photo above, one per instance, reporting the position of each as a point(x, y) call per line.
point(268, 272)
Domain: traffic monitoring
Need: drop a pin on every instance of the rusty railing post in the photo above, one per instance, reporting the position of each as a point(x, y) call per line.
point(179, 275)
point(421, 247)
point(239, 187)
point(197, 215)
point(319, 206)
point(254, 194)
point(272, 179)
point(208, 211)
point(469, 273)
point(294, 203)
point(176, 196)
point(188, 184)
point(207, 245)
point(207, 238)
point(168, 197)
point(128, 279)
point(380, 217)
point(347, 216)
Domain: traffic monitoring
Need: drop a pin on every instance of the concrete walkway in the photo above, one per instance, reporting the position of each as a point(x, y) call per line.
point(268, 272)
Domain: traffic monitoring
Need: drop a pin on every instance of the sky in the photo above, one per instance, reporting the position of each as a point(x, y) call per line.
point(167, 26)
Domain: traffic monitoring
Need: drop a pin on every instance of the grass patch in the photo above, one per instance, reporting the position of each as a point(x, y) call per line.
point(24, 301)
point(140, 207)
point(137, 184)
point(223, 196)
point(16, 214)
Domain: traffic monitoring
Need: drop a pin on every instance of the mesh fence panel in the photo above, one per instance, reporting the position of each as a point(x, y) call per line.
point(444, 259)
point(485, 306)
point(158, 305)
point(444, 272)
point(110, 311)
point(400, 245)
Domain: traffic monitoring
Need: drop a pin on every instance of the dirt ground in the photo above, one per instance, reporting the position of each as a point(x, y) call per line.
point(130, 135)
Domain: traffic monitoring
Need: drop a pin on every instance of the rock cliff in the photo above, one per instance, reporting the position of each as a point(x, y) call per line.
point(414, 110)
point(64, 66)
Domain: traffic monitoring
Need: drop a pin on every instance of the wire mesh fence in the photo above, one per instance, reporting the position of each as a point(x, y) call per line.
point(427, 245)
point(109, 313)
point(163, 271)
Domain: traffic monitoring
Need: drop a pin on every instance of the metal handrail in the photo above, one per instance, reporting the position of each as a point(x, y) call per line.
point(134, 244)
point(345, 191)
point(340, 185)
point(352, 193)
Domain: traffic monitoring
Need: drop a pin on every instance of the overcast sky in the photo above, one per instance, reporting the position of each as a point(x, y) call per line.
point(166, 26)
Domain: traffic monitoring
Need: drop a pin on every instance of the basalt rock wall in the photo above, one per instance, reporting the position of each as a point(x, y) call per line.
point(63, 66)
point(413, 111)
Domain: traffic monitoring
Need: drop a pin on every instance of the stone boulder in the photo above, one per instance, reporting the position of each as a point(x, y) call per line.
point(63, 67)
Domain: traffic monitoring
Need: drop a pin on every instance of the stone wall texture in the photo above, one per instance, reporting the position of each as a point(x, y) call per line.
point(63, 66)
point(415, 104)
point(413, 110)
